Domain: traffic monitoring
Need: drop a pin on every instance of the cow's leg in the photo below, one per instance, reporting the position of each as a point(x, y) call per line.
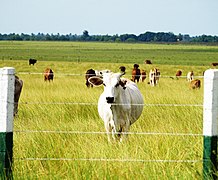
point(107, 128)
point(125, 132)
point(125, 128)
point(110, 129)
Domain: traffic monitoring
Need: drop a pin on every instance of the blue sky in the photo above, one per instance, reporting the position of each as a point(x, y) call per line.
point(193, 17)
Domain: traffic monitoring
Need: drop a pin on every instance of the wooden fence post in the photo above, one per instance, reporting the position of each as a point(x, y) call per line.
point(7, 80)
point(210, 124)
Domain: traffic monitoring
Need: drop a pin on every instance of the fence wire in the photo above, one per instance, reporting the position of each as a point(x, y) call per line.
point(89, 103)
point(129, 133)
point(93, 132)
point(111, 160)
point(84, 74)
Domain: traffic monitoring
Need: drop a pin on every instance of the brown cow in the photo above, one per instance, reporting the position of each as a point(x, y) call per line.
point(178, 73)
point(136, 73)
point(214, 64)
point(17, 91)
point(195, 84)
point(89, 73)
point(148, 62)
point(143, 74)
point(48, 74)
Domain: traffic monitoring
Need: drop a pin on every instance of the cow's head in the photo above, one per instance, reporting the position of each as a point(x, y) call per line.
point(112, 85)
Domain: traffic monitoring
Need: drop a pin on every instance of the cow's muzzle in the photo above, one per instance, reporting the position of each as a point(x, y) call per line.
point(110, 99)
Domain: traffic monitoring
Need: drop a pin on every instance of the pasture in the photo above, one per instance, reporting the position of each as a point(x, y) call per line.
point(58, 130)
point(171, 54)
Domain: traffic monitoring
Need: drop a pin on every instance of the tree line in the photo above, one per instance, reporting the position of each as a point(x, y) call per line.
point(129, 38)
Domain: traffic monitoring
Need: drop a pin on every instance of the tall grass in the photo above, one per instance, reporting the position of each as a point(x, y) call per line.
point(90, 156)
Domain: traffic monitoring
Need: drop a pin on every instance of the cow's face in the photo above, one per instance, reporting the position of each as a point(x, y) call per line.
point(112, 84)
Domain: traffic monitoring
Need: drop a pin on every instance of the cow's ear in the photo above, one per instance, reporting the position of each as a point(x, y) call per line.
point(96, 81)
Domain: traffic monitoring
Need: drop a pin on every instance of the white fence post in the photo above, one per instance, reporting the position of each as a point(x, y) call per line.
point(7, 80)
point(210, 124)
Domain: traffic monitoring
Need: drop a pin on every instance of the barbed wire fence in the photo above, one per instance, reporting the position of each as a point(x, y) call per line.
point(129, 133)
point(7, 123)
point(84, 74)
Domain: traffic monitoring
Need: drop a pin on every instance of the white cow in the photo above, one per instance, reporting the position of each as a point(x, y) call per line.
point(154, 76)
point(190, 76)
point(120, 105)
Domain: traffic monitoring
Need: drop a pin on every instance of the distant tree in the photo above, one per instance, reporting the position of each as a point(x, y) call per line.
point(86, 33)
point(25, 37)
point(48, 37)
point(117, 40)
point(186, 38)
point(130, 40)
point(146, 37)
point(124, 37)
point(179, 37)
point(85, 36)
point(106, 38)
point(32, 37)
point(14, 37)
point(114, 37)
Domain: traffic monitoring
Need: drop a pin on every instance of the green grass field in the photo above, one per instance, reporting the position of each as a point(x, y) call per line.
point(66, 105)
point(171, 54)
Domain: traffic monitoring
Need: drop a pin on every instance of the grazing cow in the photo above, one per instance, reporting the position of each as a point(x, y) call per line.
point(89, 73)
point(178, 73)
point(195, 84)
point(143, 75)
point(32, 61)
point(148, 62)
point(17, 91)
point(154, 76)
point(136, 73)
point(120, 105)
point(214, 64)
point(190, 76)
point(48, 74)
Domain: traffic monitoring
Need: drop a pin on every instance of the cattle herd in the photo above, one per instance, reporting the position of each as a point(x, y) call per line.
point(121, 102)
point(140, 75)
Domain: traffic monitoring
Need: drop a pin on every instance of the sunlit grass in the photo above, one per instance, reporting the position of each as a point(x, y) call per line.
point(54, 107)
